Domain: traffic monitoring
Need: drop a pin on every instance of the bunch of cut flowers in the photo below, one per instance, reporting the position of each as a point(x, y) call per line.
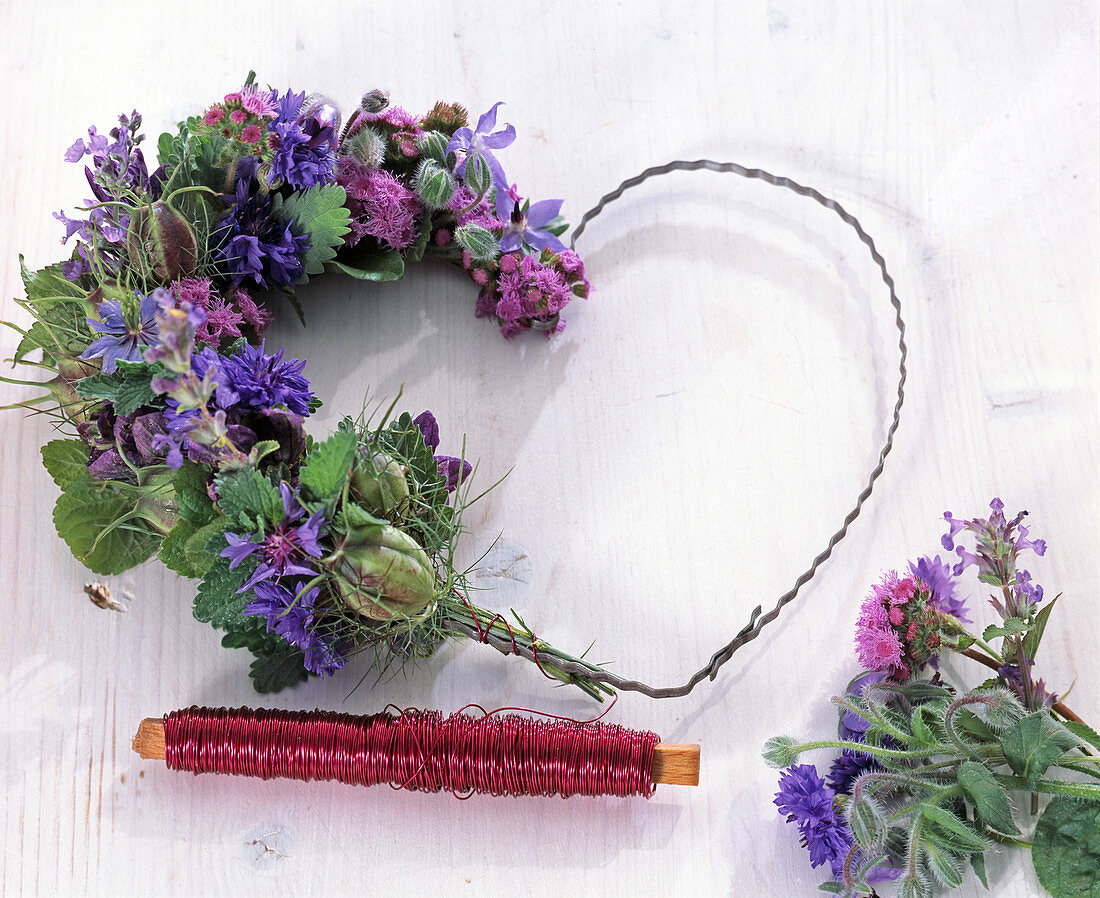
point(932, 777)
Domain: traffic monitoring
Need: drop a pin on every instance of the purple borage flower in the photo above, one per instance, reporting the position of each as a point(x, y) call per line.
point(477, 144)
point(529, 228)
point(126, 325)
point(282, 550)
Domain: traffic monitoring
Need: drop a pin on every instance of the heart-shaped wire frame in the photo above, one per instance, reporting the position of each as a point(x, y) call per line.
point(757, 620)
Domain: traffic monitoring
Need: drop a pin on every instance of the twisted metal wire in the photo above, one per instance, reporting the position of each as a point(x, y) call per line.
point(757, 620)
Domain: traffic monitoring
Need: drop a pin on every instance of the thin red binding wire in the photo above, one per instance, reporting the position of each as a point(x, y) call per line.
point(418, 750)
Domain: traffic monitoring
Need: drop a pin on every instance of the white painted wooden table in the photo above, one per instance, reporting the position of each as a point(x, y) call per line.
point(678, 454)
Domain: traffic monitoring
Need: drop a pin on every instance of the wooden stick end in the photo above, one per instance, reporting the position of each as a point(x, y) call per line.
point(149, 739)
point(676, 764)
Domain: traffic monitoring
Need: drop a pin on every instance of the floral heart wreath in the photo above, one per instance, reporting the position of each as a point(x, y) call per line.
point(189, 434)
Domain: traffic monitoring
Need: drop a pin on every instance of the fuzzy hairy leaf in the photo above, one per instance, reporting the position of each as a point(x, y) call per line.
point(127, 389)
point(988, 798)
point(320, 215)
point(1035, 742)
point(249, 498)
point(1066, 848)
point(948, 831)
point(325, 469)
point(1083, 731)
point(217, 601)
point(977, 864)
point(66, 460)
point(273, 673)
point(944, 864)
point(92, 517)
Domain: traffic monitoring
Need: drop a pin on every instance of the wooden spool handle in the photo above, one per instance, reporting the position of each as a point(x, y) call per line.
point(674, 763)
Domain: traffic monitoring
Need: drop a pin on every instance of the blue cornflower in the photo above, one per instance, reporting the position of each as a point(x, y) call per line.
point(263, 381)
point(936, 575)
point(324, 657)
point(304, 156)
point(288, 613)
point(283, 551)
point(257, 246)
point(126, 326)
point(527, 227)
point(477, 143)
point(807, 801)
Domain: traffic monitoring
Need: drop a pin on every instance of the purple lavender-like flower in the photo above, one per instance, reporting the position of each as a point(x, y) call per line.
point(258, 247)
point(937, 576)
point(527, 227)
point(304, 155)
point(126, 325)
point(476, 146)
point(452, 470)
point(808, 802)
point(285, 548)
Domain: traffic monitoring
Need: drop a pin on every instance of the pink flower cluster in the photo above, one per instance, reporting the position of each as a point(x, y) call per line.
point(898, 626)
point(243, 116)
point(530, 292)
point(224, 314)
point(380, 205)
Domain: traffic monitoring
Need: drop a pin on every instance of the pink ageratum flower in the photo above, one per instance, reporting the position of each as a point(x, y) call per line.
point(380, 205)
point(898, 629)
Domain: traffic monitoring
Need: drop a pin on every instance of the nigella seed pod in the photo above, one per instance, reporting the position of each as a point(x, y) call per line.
point(380, 483)
point(374, 101)
point(162, 238)
point(383, 572)
point(435, 185)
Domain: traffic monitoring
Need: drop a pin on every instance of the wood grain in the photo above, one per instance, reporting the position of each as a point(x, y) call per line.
point(677, 455)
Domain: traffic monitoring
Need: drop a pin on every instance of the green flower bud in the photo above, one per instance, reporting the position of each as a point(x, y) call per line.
point(434, 184)
point(433, 145)
point(162, 237)
point(480, 242)
point(478, 177)
point(383, 572)
point(380, 482)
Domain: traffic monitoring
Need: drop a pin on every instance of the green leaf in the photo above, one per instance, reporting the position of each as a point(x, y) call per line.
point(217, 601)
point(172, 549)
point(325, 469)
point(272, 673)
point(969, 722)
point(127, 389)
point(354, 517)
point(1035, 742)
point(96, 519)
point(977, 864)
point(192, 498)
point(66, 460)
point(948, 831)
point(989, 799)
point(1009, 626)
point(1066, 848)
point(204, 545)
point(944, 863)
point(249, 498)
point(376, 266)
point(320, 215)
point(49, 283)
point(1083, 731)
point(1035, 635)
point(921, 731)
point(833, 888)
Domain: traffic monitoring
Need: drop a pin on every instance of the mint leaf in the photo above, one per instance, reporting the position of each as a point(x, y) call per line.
point(192, 498)
point(376, 266)
point(1066, 848)
point(49, 284)
point(1035, 742)
point(272, 673)
point(320, 215)
point(204, 545)
point(989, 799)
point(217, 601)
point(66, 460)
point(127, 389)
point(325, 469)
point(97, 521)
point(249, 498)
point(172, 549)
point(1010, 625)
